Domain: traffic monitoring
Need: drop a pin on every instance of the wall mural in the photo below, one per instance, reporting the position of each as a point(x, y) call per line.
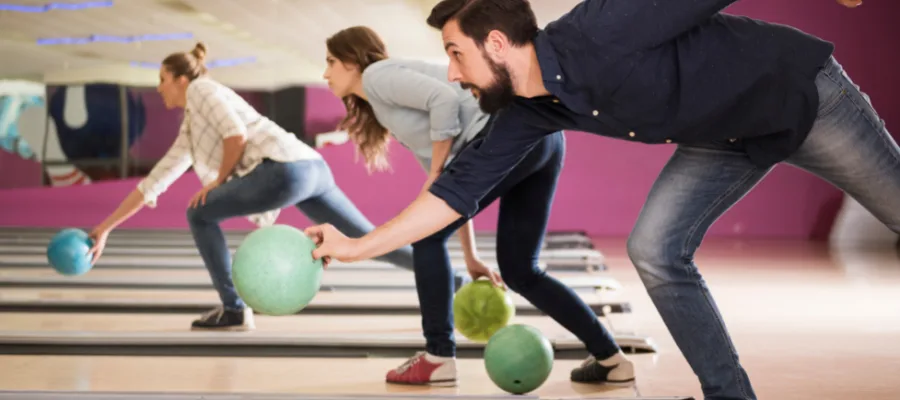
point(74, 123)
point(23, 124)
point(88, 123)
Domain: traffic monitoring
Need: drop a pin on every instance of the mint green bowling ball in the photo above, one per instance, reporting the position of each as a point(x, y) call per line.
point(274, 272)
point(518, 359)
point(480, 309)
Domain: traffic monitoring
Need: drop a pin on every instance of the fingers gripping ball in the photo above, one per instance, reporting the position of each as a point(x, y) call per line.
point(67, 252)
point(480, 309)
point(518, 359)
point(274, 272)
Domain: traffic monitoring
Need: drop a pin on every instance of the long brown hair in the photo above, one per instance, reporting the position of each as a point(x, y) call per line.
point(361, 46)
point(187, 64)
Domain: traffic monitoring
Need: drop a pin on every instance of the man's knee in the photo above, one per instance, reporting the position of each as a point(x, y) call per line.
point(656, 259)
point(645, 249)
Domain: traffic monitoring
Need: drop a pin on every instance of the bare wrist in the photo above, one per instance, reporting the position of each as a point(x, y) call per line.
point(103, 227)
point(362, 248)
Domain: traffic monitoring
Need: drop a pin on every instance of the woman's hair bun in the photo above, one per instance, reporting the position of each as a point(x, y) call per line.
point(199, 52)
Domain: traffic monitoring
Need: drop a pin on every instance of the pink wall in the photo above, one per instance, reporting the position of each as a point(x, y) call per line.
point(324, 111)
point(605, 181)
point(27, 172)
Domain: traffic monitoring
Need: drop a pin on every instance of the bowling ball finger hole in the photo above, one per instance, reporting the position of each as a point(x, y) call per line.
point(517, 382)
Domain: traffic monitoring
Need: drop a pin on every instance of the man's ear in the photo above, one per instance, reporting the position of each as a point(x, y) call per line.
point(496, 44)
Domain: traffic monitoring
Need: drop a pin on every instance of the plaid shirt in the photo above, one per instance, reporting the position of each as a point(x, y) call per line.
point(213, 113)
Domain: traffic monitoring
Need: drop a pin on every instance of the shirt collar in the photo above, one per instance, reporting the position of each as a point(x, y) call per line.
point(547, 59)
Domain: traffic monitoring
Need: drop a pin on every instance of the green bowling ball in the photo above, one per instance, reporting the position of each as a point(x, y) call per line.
point(274, 272)
point(518, 359)
point(480, 309)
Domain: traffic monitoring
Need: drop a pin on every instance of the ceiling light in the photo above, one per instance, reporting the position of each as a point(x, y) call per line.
point(221, 63)
point(55, 6)
point(114, 39)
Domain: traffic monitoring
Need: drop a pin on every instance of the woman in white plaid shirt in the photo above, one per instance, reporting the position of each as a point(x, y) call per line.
point(249, 167)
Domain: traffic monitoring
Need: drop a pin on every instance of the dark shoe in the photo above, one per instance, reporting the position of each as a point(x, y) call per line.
point(222, 319)
point(616, 371)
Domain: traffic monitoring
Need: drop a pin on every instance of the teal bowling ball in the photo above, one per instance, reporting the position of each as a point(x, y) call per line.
point(67, 252)
point(274, 272)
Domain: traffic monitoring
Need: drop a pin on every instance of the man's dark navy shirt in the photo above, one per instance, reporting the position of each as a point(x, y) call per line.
point(657, 72)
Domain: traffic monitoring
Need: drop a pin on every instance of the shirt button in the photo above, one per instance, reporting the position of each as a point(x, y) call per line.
point(631, 134)
point(596, 113)
point(559, 77)
point(668, 140)
point(556, 100)
point(732, 140)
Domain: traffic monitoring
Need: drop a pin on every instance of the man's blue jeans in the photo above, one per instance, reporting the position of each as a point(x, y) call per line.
point(307, 184)
point(848, 146)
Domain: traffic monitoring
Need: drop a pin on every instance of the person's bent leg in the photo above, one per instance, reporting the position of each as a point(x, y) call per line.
point(693, 190)
point(435, 286)
point(331, 205)
point(435, 280)
point(523, 217)
point(334, 207)
point(850, 147)
point(434, 276)
point(269, 186)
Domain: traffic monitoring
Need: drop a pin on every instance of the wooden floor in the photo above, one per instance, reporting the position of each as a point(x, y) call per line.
point(808, 323)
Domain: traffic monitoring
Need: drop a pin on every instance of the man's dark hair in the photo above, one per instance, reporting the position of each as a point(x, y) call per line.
point(477, 18)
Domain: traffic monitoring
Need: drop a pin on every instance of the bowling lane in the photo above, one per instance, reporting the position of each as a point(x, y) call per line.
point(172, 262)
point(204, 298)
point(296, 376)
point(199, 278)
point(299, 324)
point(169, 262)
point(305, 334)
point(555, 256)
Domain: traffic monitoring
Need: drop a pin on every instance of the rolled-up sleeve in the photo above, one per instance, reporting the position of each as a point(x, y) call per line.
point(485, 163)
point(211, 105)
point(176, 161)
point(406, 87)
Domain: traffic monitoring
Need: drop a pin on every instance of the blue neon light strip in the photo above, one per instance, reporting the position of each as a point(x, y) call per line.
point(226, 62)
point(114, 39)
point(55, 6)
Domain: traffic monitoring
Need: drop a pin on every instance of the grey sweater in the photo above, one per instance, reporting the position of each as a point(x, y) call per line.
point(418, 105)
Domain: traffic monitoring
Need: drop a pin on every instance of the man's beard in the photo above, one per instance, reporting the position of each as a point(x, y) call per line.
point(499, 93)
